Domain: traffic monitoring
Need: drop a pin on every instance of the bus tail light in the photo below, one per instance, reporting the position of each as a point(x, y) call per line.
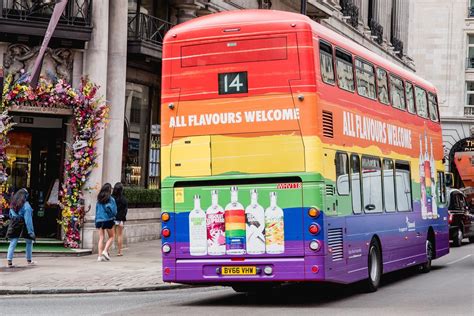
point(314, 245)
point(450, 218)
point(165, 217)
point(314, 212)
point(315, 269)
point(166, 248)
point(314, 228)
point(165, 232)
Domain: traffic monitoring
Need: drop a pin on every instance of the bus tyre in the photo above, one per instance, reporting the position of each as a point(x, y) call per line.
point(426, 267)
point(374, 268)
point(458, 237)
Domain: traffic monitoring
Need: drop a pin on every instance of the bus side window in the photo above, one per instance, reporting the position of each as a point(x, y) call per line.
point(342, 174)
point(345, 73)
point(441, 188)
point(372, 184)
point(355, 184)
point(410, 98)
point(397, 91)
point(389, 185)
point(421, 103)
point(365, 76)
point(403, 186)
point(382, 86)
point(433, 107)
point(326, 61)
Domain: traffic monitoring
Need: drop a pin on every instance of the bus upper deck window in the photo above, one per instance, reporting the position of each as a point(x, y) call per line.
point(410, 98)
point(397, 92)
point(327, 65)
point(421, 103)
point(433, 107)
point(382, 85)
point(344, 70)
point(365, 76)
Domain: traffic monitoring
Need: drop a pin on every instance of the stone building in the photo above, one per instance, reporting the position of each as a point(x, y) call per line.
point(442, 45)
point(118, 45)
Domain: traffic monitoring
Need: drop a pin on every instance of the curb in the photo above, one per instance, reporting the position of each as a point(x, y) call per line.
point(21, 290)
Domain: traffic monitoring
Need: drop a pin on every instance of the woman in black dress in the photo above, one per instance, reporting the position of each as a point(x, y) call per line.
point(121, 216)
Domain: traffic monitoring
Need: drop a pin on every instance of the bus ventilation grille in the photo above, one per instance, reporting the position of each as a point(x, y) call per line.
point(335, 243)
point(329, 189)
point(328, 130)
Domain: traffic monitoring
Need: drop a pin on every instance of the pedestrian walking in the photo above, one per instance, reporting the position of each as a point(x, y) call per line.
point(105, 212)
point(121, 218)
point(21, 226)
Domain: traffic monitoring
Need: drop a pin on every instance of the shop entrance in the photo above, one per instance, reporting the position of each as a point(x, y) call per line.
point(35, 160)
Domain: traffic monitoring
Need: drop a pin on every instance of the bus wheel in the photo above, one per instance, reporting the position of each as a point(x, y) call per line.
point(458, 237)
point(374, 268)
point(426, 267)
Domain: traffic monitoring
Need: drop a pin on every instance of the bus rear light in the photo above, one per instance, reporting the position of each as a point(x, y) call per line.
point(313, 212)
point(167, 270)
point(314, 245)
point(450, 218)
point(165, 217)
point(166, 232)
point(314, 228)
point(166, 248)
point(315, 269)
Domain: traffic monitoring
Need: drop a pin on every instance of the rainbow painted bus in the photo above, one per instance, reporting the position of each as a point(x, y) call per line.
point(292, 154)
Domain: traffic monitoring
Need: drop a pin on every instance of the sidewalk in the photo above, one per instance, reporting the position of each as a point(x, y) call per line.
point(138, 270)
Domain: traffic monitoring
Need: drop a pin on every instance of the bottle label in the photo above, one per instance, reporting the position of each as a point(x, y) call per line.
point(235, 231)
point(216, 233)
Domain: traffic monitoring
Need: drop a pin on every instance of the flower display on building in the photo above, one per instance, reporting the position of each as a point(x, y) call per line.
point(89, 116)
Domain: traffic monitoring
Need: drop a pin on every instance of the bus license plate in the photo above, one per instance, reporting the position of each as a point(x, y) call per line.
point(244, 270)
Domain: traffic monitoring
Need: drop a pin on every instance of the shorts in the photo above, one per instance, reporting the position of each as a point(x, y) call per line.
point(104, 225)
point(119, 223)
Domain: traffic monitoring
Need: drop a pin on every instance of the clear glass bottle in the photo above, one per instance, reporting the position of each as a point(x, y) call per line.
point(274, 227)
point(235, 225)
point(215, 226)
point(197, 229)
point(255, 225)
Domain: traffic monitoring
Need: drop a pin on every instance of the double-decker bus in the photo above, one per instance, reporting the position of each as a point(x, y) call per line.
point(292, 154)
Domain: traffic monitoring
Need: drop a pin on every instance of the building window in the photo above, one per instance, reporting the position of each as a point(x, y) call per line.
point(345, 74)
point(470, 51)
point(136, 134)
point(469, 109)
point(365, 75)
point(327, 68)
point(471, 9)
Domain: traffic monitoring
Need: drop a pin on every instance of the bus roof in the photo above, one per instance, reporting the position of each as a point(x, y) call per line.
point(202, 28)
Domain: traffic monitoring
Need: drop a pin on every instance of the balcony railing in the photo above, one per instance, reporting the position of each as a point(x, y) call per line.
point(77, 12)
point(143, 27)
point(469, 110)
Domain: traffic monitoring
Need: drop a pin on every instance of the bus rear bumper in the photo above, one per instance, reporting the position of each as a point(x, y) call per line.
point(259, 269)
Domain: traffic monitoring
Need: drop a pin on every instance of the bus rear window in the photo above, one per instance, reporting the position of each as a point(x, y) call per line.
point(234, 51)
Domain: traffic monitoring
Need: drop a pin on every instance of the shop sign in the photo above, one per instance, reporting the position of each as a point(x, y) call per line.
point(40, 110)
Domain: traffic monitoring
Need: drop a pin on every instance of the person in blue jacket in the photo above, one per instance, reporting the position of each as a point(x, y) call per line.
point(20, 208)
point(105, 212)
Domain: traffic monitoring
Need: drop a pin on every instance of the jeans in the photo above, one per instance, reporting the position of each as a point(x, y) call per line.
point(12, 246)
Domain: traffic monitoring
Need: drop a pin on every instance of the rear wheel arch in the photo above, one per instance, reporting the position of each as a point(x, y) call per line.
point(375, 238)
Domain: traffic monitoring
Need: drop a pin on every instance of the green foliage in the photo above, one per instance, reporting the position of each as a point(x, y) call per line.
point(141, 197)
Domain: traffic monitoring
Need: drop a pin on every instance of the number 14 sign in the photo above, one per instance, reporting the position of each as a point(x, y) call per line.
point(233, 82)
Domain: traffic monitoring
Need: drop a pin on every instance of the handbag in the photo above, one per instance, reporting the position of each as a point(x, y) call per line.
point(15, 227)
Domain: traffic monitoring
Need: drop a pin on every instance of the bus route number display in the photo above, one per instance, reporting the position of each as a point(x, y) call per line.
point(233, 82)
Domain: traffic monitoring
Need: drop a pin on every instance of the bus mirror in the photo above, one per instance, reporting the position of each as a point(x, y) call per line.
point(449, 179)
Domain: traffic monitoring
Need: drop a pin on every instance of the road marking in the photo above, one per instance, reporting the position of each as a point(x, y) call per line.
point(465, 257)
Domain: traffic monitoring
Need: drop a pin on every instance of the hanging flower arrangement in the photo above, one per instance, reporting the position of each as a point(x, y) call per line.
point(89, 116)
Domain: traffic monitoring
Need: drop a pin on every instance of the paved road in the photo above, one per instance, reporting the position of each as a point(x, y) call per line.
point(447, 290)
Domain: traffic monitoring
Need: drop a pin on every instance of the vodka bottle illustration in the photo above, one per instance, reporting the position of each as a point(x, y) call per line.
point(427, 178)
point(234, 225)
point(274, 227)
point(215, 227)
point(255, 225)
point(197, 229)
point(424, 212)
point(434, 206)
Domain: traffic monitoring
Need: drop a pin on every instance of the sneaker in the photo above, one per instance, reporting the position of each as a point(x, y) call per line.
point(100, 259)
point(105, 255)
point(32, 263)
point(10, 264)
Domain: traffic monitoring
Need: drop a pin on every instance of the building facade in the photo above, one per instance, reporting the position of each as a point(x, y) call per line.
point(118, 44)
point(442, 46)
